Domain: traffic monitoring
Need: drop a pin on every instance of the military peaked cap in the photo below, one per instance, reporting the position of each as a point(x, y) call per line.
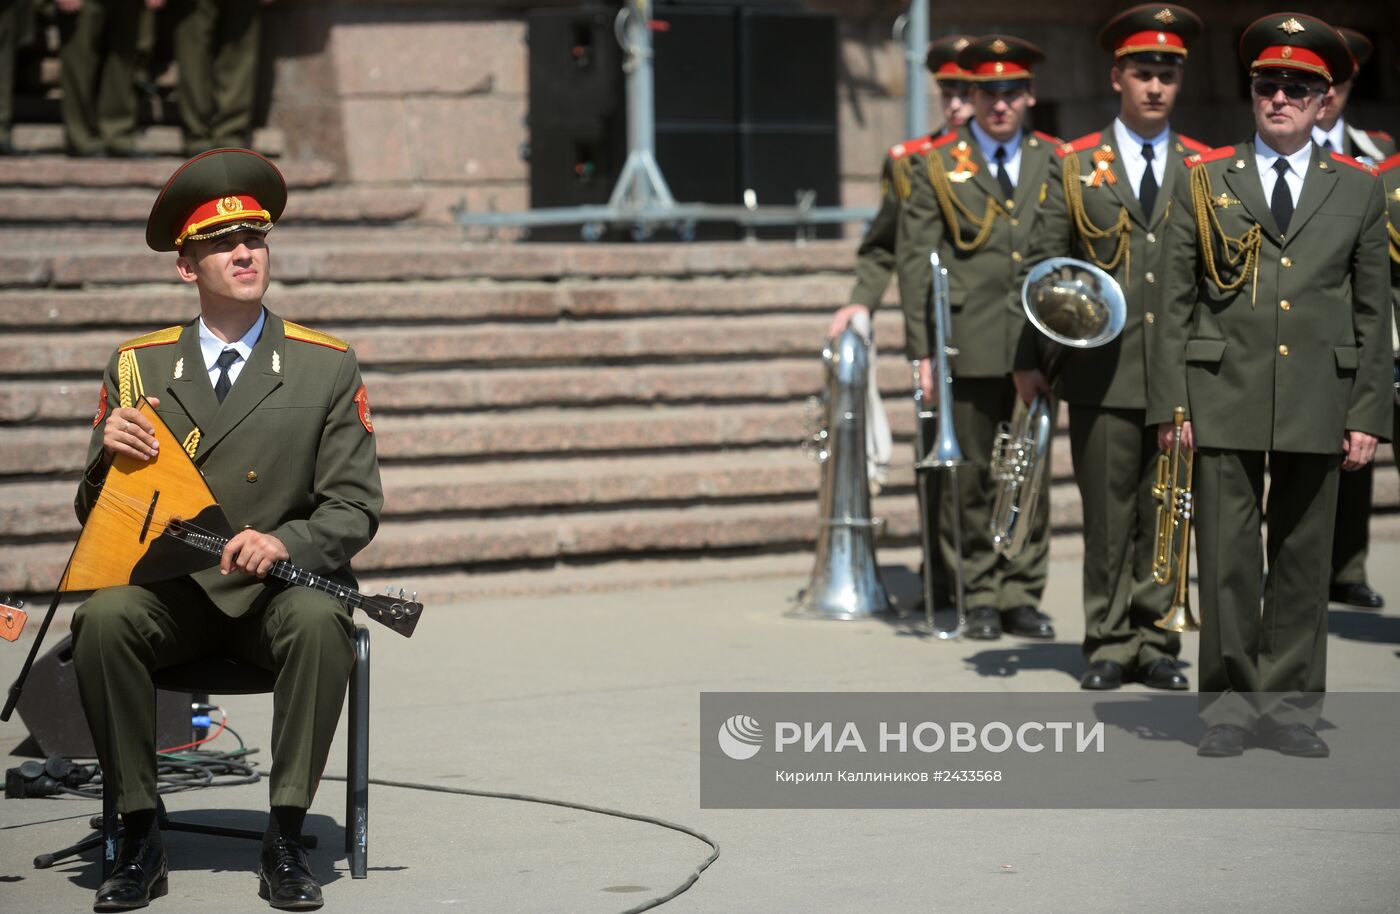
point(216, 192)
point(1294, 41)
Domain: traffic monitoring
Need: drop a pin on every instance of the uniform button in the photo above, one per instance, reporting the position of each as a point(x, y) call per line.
point(1015, 221)
point(252, 476)
point(1285, 304)
point(1283, 350)
point(1151, 317)
point(1150, 277)
point(1286, 261)
point(1010, 204)
point(1016, 256)
point(1151, 238)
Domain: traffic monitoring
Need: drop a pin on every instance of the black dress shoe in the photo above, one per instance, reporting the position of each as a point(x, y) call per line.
point(284, 877)
point(1102, 675)
point(1028, 623)
point(1222, 741)
point(141, 875)
point(983, 624)
point(1300, 740)
point(1163, 674)
point(1356, 595)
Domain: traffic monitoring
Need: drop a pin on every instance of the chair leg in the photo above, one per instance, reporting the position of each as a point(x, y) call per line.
point(357, 765)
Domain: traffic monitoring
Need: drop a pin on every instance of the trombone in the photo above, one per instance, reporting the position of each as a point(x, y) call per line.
point(945, 454)
point(1172, 547)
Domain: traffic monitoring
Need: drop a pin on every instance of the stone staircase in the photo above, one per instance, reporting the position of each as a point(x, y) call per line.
point(548, 416)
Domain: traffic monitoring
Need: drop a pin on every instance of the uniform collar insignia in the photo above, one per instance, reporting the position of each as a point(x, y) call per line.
point(179, 368)
point(276, 362)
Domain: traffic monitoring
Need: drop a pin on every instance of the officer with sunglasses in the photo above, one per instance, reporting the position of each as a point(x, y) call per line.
point(1274, 335)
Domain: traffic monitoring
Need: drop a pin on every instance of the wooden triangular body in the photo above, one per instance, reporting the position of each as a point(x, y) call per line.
point(122, 541)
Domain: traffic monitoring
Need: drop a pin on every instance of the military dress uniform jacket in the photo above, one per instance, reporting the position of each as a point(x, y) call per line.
point(1390, 177)
point(1113, 376)
point(982, 239)
point(1374, 145)
point(290, 451)
point(875, 258)
point(1299, 353)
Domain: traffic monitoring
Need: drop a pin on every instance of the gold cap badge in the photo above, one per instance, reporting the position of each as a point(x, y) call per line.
point(1292, 26)
point(999, 47)
point(961, 43)
point(1165, 17)
point(228, 205)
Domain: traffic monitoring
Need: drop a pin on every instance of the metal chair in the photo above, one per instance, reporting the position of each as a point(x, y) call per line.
point(223, 676)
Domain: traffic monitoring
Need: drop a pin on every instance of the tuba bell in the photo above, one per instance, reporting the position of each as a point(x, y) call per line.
point(1076, 305)
point(845, 582)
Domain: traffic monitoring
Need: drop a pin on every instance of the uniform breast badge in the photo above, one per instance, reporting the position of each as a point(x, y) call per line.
point(1224, 201)
point(1103, 173)
point(963, 166)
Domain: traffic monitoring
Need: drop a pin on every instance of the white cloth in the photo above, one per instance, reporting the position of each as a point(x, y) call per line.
point(1130, 153)
point(210, 346)
point(879, 443)
point(988, 146)
point(1264, 158)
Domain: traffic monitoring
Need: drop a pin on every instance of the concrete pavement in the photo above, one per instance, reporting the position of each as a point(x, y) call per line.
point(594, 699)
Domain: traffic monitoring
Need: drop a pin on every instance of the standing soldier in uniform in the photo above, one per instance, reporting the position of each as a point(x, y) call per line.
point(875, 258)
point(98, 58)
point(277, 420)
point(1108, 205)
point(974, 196)
point(1273, 334)
point(216, 53)
point(1351, 536)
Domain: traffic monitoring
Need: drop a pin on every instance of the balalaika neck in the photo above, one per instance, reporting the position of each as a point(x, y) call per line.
point(282, 570)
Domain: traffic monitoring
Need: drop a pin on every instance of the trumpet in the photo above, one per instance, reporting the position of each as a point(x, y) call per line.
point(1172, 547)
point(1076, 305)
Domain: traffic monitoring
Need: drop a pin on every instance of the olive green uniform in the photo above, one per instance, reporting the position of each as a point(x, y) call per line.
point(98, 58)
point(216, 52)
point(875, 264)
point(1277, 369)
point(1390, 177)
point(1115, 454)
point(290, 453)
point(982, 239)
point(15, 20)
point(1351, 537)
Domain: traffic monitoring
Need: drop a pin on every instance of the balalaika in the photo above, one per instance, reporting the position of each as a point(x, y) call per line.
point(399, 612)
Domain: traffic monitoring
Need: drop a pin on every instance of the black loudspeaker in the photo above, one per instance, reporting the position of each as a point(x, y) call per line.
point(50, 708)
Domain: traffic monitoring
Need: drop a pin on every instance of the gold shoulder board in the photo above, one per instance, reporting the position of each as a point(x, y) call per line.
point(307, 335)
point(158, 338)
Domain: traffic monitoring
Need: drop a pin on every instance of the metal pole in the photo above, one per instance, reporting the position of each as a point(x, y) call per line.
point(640, 185)
point(915, 82)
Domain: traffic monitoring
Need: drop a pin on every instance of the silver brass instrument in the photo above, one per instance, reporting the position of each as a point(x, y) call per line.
point(1076, 305)
point(945, 453)
point(1171, 551)
point(845, 582)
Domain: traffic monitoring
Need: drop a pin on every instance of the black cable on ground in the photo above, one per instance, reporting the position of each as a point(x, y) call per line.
point(566, 804)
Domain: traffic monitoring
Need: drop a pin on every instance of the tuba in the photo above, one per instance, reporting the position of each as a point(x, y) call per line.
point(1075, 304)
point(845, 582)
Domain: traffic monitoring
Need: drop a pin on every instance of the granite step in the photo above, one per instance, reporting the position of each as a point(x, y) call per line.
point(57, 171)
point(45, 139)
point(348, 306)
point(131, 207)
point(67, 266)
point(566, 342)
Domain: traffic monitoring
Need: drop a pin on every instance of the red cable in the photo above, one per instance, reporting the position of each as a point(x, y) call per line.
point(223, 721)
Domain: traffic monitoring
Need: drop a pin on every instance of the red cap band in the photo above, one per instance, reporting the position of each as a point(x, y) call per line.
point(224, 210)
point(951, 70)
point(1161, 42)
point(999, 69)
point(1291, 57)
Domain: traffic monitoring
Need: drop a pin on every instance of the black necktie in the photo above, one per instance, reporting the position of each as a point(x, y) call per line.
point(1327, 145)
point(1003, 178)
point(1147, 190)
point(225, 362)
point(1282, 202)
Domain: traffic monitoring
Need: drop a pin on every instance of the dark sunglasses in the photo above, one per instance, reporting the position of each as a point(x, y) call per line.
point(1267, 88)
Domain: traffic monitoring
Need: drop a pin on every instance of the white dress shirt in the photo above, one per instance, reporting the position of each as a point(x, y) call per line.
point(210, 346)
point(1337, 136)
point(1130, 154)
point(1264, 158)
point(988, 147)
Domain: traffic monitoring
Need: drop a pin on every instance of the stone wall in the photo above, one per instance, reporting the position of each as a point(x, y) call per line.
point(433, 94)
